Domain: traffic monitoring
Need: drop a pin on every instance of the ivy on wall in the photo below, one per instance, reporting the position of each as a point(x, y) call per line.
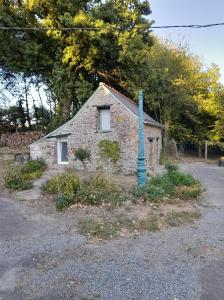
point(109, 150)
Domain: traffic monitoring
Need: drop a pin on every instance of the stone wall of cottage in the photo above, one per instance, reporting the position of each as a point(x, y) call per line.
point(84, 132)
point(46, 149)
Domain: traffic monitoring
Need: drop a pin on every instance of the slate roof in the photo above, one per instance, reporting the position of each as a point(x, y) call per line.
point(131, 105)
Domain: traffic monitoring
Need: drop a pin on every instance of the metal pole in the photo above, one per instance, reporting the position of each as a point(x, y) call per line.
point(206, 150)
point(141, 169)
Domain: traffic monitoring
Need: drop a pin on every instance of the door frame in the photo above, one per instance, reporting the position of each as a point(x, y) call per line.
point(59, 148)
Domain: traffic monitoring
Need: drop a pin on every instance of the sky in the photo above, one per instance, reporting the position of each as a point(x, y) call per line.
point(208, 43)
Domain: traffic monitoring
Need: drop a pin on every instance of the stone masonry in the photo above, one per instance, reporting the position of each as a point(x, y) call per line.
point(83, 131)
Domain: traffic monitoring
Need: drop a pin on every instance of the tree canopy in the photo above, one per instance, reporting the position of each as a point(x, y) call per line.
point(112, 43)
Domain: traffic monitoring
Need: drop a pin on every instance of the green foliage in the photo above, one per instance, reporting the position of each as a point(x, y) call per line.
point(62, 201)
point(169, 187)
point(31, 175)
point(83, 155)
point(32, 166)
point(67, 183)
point(170, 166)
point(64, 60)
point(14, 180)
point(18, 177)
point(175, 219)
point(98, 190)
point(109, 150)
point(94, 191)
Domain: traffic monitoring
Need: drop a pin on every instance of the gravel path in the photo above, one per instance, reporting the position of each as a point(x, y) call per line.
point(41, 259)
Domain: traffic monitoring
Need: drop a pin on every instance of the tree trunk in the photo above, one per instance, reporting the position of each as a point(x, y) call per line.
point(27, 107)
point(199, 150)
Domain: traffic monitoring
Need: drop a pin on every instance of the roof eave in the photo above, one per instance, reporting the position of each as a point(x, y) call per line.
point(153, 124)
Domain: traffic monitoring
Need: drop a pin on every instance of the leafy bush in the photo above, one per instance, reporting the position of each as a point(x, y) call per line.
point(97, 190)
point(94, 191)
point(33, 175)
point(33, 166)
point(83, 154)
point(170, 186)
point(155, 192)
point(170, 166)
point(14, 180)
point(67, 183)
point(62, 201)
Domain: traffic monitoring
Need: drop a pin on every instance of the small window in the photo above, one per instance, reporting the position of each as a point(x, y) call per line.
point(105, 119)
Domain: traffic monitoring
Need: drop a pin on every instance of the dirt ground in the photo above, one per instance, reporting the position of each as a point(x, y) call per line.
point(42, 256)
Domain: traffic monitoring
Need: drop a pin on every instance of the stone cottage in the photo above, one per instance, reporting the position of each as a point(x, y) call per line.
point(106, 116)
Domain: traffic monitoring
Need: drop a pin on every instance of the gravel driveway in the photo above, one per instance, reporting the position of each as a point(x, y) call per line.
point(40, 258)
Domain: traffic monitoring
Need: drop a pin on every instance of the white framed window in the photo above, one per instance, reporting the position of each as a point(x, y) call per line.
point(62, 152)
point(105, 119)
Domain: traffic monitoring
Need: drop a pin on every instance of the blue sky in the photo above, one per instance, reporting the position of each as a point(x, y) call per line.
point(207, 43)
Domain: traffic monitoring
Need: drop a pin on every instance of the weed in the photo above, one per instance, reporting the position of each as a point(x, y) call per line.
point(111, 229)
point(101, 230)
point(62, 201)
point(149, 224)
point(175, 219)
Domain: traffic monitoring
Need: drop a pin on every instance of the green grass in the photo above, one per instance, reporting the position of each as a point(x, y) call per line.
point(175, 219)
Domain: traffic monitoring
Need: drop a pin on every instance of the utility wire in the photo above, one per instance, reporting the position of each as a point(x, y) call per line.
point(97, 28)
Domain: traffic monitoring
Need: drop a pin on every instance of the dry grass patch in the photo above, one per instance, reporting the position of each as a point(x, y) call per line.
point(120, 226)
point(180, 218)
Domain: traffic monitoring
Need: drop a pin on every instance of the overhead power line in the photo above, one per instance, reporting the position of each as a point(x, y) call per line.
point(193, 26)
point(188, 26)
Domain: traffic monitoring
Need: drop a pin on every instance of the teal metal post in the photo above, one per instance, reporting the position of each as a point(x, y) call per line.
point(141, 169)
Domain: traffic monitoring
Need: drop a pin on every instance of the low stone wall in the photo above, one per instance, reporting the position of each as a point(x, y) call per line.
point(20, 139)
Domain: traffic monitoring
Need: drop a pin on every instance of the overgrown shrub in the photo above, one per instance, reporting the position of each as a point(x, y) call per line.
point(63, 201)
point(94, 191)
point(33, 166)
point(67, 183)
point(170, 166)
point(98, 190)
point(170, 186)
point(14, 180)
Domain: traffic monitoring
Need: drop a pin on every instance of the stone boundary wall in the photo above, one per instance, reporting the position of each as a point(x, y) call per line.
point(20, 139)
